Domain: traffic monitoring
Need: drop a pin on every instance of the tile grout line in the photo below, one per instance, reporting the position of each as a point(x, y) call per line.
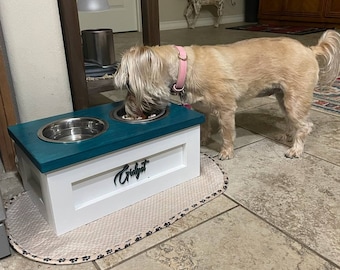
point(283, 144)
point(284, 232)
point(325, 160)
point(172, 237)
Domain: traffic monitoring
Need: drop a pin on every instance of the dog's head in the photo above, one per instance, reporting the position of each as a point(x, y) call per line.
point(143, 72)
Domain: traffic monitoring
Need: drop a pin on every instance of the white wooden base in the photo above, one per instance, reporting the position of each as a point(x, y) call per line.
point(76, 195)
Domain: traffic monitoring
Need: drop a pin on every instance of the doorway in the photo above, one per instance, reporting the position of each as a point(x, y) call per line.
point(122, 17)
point(71, 32)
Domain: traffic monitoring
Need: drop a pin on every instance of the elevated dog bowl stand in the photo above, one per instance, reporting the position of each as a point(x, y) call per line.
point(75, 183)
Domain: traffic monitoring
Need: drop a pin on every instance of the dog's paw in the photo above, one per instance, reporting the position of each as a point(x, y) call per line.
point(205, 137)
point(293, 153)
point(226, 154)
point(284, 138)
point(204, 141)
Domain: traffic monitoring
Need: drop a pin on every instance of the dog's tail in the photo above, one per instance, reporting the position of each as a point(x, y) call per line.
point(327, 52)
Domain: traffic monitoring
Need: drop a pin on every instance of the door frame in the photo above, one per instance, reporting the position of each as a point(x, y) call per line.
point(72, 42)
point(73, 51)
point(7, 115)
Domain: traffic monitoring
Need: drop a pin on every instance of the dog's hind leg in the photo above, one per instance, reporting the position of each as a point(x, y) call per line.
point(288, 134)
point(297, 114)
point(303, 128)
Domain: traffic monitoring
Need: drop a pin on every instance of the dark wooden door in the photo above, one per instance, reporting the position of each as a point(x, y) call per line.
point(332, 9)
point(271, 7)
point(306, 8)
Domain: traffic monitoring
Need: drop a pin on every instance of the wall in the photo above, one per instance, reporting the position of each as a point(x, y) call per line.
point(36, 56)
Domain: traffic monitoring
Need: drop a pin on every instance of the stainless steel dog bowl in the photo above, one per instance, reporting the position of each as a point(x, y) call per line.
point(119, 114)
point(72, 130)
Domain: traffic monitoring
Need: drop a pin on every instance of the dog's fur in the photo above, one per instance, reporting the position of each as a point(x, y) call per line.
point(220, 76)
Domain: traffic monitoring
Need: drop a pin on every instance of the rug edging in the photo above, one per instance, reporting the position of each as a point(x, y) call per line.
point(131, 240)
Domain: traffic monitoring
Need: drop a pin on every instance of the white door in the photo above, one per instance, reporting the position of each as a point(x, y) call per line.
point(122, 17)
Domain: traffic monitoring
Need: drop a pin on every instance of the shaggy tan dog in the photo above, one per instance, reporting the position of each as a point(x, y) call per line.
point(220, 76)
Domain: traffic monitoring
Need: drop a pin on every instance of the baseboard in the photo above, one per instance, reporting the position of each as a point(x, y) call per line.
point(170, 25)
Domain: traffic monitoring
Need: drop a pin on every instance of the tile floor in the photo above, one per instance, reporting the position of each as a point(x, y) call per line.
point(277, 213)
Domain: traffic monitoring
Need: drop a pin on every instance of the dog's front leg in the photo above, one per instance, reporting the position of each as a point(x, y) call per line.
point(206, 126)
point(227, 129)
point(206, 130)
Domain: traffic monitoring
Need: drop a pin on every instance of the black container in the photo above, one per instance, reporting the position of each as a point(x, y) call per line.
point(251, 9)
point(98, 46)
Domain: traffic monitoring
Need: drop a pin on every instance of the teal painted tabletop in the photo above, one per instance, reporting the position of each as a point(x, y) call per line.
point(50, 156)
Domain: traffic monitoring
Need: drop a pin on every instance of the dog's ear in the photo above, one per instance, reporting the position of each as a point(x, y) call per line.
point(121, 76)
point(147, 67)
point(142, 68)
point(139, 65)
point(149, 63)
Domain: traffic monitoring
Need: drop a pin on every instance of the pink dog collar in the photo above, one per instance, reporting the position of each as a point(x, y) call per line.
point(182, 70)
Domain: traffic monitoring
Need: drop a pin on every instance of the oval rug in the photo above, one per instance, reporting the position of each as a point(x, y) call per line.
point(31, 236)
